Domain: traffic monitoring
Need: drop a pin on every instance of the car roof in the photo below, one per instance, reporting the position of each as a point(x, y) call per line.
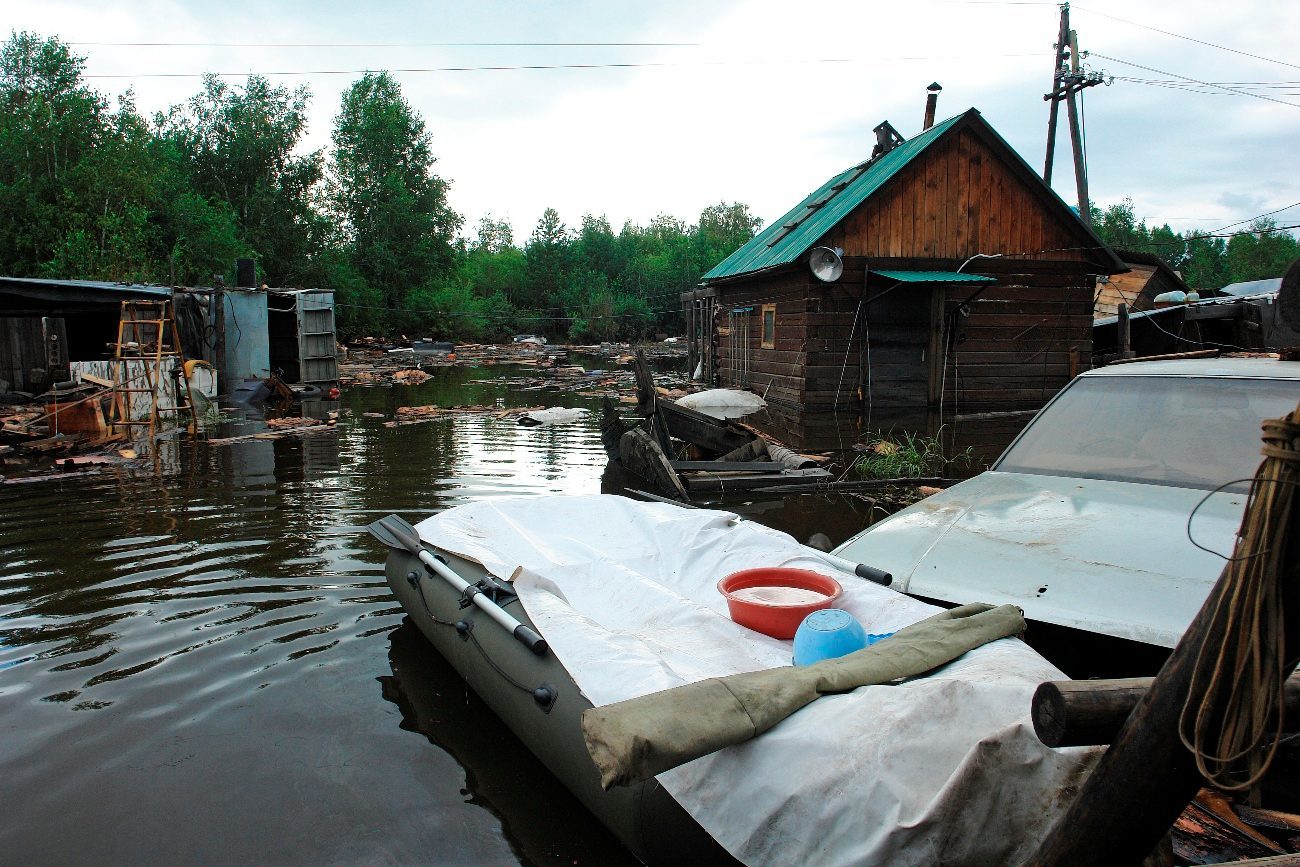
point(1255, 367)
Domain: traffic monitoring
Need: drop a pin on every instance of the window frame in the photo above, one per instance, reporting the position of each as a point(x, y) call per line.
point(767, 342)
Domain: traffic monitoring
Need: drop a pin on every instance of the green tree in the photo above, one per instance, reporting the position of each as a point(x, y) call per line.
point(1120, 228)
point(88, 191)
point(1261, 252)
point(240, 146)
point(724, 228)
point(547, 263)
point(392, 208)
point(1205, 265)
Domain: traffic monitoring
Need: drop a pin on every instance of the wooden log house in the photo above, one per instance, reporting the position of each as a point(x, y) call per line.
point(967, 290)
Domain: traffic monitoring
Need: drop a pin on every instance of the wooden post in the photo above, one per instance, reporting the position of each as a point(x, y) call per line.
point(1147, 776)
point(1122, 329)
point(1076, 143)
point(1058, 71)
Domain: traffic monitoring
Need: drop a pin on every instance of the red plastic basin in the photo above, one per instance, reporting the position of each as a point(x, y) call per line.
point(774, 600)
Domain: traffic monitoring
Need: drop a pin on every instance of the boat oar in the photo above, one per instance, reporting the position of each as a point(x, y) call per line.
point(397, 533)
point(862, 570)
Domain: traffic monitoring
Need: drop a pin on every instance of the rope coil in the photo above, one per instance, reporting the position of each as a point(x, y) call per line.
point(1235, 699)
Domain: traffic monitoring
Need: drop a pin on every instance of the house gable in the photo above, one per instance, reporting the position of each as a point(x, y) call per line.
point(961, 198)
point(951, 192)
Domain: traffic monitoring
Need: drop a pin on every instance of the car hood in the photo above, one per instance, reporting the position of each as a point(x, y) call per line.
point(1107, 557)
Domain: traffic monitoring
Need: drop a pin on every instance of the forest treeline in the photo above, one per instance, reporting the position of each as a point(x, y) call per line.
point(90, 188)
point(1206, 260)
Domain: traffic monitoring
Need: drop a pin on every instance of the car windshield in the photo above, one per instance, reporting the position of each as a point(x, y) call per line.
point(1185, 431)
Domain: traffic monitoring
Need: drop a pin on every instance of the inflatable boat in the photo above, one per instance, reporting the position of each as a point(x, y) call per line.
point(513, 670)
point(551, 606)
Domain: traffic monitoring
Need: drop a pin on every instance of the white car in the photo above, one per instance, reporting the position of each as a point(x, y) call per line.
point(1086, 521)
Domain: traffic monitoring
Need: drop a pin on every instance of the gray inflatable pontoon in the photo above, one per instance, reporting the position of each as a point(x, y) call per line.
point(536, 698)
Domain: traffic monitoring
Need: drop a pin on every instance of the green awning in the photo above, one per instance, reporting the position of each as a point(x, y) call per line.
point(933, 277)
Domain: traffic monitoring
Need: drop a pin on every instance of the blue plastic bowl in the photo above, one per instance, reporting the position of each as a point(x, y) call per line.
point(827, 634)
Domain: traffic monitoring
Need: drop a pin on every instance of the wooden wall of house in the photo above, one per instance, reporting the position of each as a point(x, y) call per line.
point(951, 202)
point(776, 373)
point(1023, 340)
point(1007, 346)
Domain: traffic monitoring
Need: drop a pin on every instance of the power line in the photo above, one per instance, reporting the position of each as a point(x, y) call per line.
point(546, 66)
point(1286, 88)
point(1237, 91)
point(1258, 217)
point(1188, 38)
point(392, 44)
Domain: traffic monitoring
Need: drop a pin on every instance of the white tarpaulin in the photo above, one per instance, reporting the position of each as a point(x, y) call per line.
point(944, 768)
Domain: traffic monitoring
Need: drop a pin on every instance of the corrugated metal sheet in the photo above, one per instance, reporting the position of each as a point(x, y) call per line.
point(789, 237)
point(933, 277)
point(79, 290)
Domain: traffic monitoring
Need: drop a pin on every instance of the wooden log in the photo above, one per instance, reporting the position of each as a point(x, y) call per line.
point(1074, 713)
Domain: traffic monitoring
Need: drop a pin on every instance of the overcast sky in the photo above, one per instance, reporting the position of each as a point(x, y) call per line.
point(755, 101)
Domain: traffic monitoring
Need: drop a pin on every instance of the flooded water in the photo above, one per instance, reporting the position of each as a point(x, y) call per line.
point(205, 665)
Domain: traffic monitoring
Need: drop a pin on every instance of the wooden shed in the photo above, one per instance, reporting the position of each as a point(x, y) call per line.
point(1148, 276)
point(966, 288)
point(45, 324)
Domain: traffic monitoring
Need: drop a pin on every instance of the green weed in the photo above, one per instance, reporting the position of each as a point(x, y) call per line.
point(909, 456)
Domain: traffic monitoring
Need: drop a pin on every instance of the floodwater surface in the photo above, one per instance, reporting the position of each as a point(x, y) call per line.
point(204, 664)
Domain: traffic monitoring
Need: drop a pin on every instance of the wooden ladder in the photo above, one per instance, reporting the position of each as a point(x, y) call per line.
point(146, 332)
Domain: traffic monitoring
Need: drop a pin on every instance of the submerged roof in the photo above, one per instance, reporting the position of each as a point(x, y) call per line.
point(794, 234)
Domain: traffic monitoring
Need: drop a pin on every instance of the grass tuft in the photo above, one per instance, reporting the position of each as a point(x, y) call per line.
point(909, 456)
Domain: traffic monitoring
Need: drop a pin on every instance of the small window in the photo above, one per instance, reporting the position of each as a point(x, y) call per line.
point(769, 326)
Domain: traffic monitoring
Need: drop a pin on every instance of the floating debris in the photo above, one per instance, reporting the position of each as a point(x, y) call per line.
point(419, 414)
point(414, 376)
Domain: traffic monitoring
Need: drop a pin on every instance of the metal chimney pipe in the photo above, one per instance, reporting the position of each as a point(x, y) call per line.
point(931, 102)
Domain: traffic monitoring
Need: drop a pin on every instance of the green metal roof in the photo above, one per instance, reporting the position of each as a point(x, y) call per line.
point(933, 277)
point(789, 237)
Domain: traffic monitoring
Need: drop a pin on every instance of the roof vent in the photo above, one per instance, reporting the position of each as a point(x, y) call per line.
point(887, 138)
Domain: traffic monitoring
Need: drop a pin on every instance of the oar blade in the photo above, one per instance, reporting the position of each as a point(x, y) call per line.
point(396, 533)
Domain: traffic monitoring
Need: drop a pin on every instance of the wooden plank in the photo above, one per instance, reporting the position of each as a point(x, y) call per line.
point(961, 213)
point(728, 466)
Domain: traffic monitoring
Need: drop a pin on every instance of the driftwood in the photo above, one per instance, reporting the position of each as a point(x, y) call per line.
point(1073, 713)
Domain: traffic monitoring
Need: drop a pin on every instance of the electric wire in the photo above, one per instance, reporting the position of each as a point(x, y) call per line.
point(390, 44)
point(549, 66)
point(1188, 38)
point(1234, 90)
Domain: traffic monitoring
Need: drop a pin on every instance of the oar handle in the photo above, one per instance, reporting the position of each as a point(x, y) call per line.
point(862, 570)
point(530, 639)
point(525, 636)
point(871, 573)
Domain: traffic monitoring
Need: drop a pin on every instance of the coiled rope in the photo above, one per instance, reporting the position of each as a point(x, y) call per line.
point(1234, 703)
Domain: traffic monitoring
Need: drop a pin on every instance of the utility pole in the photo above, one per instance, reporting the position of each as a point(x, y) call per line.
point(1069, 78)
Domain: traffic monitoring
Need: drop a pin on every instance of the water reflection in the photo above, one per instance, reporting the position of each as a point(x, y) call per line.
point(543, 822)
